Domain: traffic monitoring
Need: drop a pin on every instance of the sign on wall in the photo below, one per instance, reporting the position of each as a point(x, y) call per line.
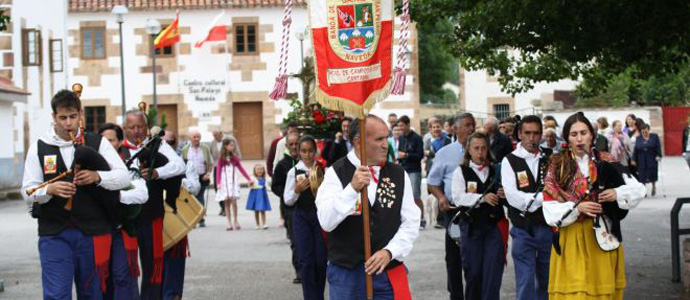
point(204, 90)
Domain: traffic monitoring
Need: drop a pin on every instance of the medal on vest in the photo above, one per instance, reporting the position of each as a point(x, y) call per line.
point(523, 180)
point(471, 186)
point(49, 164)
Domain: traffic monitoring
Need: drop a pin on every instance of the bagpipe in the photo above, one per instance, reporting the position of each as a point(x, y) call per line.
point(86, 157)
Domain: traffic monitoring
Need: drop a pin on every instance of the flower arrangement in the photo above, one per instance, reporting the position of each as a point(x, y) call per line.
point(313, 119)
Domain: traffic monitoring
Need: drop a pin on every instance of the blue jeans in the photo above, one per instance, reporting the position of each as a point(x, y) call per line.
point(349, 284)
point(65, 258)
point(531, 255)
point(173, 274)
point(482, 257)
point(311, 252)
point(122, 285)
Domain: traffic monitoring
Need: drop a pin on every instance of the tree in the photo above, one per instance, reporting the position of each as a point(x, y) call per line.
point(527, 41)
point(437, 65)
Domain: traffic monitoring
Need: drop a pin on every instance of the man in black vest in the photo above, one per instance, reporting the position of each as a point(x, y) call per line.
point(124, 265)
point(522, 176)
point(394, 218)
point(73, 213)
point(150, 222)
point(278, 188)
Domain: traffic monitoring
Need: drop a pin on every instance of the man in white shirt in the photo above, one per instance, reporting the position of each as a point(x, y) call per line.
point(150, 223)
point(73, 213)
point(123, 263)
point(394, 218)
point(522, 175)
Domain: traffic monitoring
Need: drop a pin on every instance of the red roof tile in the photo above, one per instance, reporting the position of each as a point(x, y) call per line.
point(107, 5)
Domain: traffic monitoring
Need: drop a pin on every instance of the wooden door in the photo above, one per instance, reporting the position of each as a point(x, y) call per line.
point(170, 111)
point(248, 129)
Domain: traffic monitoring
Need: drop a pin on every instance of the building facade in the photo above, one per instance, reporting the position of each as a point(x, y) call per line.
point(218, 85)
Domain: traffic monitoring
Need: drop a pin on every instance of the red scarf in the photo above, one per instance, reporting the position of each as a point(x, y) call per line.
point(129, 145)
point(181, 249)
point(157, 228)
point(131, 247)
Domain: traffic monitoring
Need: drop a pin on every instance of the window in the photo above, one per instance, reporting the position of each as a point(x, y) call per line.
point(501, 111)
point(31, 47)
point(95, 117)
point(93, 43)
point(55, 55)
point(245, 39)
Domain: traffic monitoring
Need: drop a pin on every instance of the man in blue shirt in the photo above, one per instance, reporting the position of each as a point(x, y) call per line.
point(439, 184)
point(410, 154)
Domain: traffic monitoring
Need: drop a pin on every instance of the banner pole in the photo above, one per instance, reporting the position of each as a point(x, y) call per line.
point(365, 204)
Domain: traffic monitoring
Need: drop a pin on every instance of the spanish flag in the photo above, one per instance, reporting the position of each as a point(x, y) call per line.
point(169, 36)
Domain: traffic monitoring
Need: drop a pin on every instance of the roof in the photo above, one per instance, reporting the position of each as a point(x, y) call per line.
point(10, 92)
point(107, 5)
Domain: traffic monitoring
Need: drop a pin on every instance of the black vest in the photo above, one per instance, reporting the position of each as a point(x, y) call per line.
point(153, 208)
point(92, 206)
point(519, 165)
point(346, 242)
point(305, 200)
point(484, 213)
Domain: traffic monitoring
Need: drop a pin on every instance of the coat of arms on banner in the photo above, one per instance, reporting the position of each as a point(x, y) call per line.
point(354, 36)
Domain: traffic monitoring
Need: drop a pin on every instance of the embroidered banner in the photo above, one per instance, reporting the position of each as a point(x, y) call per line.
point(353, 42)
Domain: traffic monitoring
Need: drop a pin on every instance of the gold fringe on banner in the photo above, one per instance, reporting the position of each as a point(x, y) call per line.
point(348, 106)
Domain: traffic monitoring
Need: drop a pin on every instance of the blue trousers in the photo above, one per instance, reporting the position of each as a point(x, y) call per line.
point(453, 264)
point(482, 257)
point(173, 275)
point(145, 239)
point(349, 284)
point(65, 258)
point(531, 255)
point(311, 252)
point(121, 284)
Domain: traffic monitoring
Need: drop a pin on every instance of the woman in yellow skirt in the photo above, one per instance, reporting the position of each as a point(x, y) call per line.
point(581, 186)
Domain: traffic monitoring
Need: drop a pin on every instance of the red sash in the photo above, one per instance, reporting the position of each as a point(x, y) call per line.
point(503, 228)
point(398, 279)
point(131, 247)
point(157, 228)
point(101, 254)
point(181, 249)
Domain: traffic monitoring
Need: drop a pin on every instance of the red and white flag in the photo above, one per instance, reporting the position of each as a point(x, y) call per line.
point(215, 32)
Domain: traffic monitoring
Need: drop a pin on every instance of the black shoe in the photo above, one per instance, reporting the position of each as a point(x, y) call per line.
point(202, 224)
point(422, 224)
point(297, 280)
point(438, 226)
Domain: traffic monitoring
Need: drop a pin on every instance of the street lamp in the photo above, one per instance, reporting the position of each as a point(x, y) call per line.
point(153, 27)
point(120, 11)
point(300, 36)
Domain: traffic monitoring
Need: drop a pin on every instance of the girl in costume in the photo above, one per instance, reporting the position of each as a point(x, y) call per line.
point(227, 175)
point(309, 241)
point(483, 226)
point(584, 188)
point(258, 197)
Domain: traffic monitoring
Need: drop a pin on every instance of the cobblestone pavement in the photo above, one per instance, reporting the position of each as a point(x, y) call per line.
point(254, 264)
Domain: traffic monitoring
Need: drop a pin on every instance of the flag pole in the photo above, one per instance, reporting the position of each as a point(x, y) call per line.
point(365, 202)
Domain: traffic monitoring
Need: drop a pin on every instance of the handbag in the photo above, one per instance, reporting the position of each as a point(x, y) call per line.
point(606, 240)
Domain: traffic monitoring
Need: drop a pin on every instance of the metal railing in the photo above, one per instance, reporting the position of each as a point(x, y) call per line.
point(676, 232)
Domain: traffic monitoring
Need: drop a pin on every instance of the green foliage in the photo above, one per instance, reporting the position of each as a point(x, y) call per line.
point(4, 20)
point(436, 62)
point(528, 41)
point(313, 119)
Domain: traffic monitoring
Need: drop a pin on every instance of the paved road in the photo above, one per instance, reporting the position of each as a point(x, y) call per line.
point(254, 264)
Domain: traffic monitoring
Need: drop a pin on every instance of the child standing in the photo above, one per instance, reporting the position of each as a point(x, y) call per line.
point(258, 197)
point(229, 185)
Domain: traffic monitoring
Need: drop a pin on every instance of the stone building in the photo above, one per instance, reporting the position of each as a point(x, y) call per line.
point(221, 84)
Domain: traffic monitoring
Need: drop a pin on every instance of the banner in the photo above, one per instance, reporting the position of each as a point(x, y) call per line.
point(353, 42)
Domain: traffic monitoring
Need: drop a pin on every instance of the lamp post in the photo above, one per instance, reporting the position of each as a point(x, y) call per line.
point(300, 36)
point(153, 27)
point(120, 11)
